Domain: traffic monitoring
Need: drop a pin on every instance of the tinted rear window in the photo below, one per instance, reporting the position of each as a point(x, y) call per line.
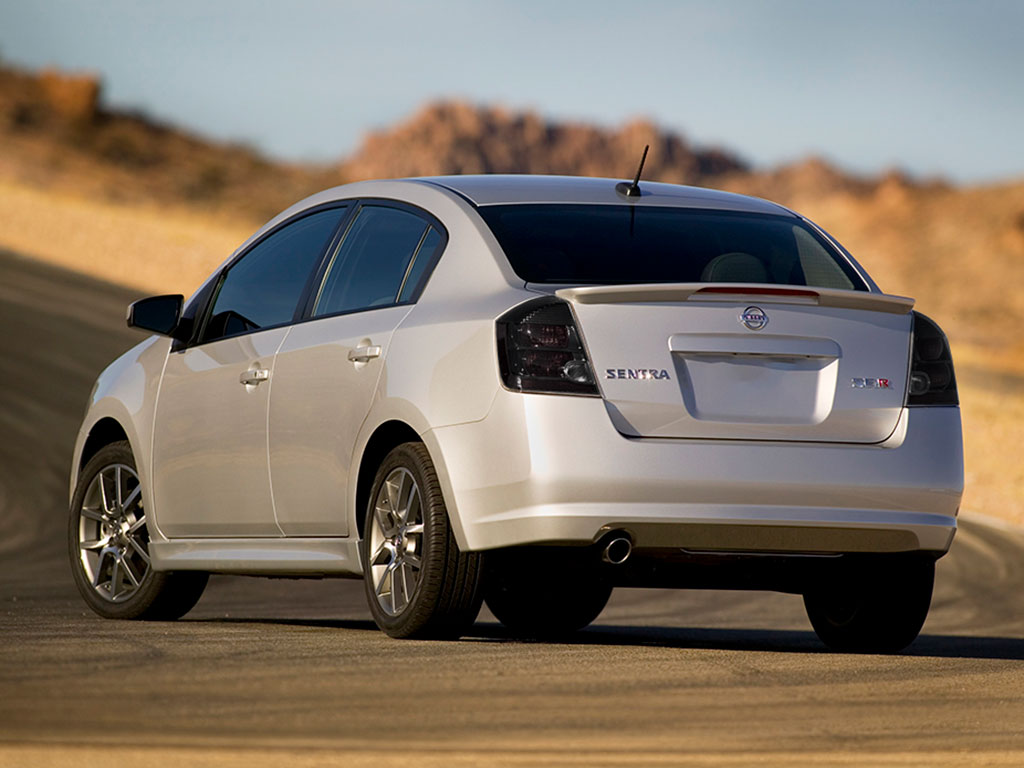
point(613, 244)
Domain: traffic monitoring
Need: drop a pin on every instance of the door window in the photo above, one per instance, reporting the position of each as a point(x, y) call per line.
point(372, 265)
point(263, 288)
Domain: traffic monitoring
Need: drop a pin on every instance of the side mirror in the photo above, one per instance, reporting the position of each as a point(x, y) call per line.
point(159, 314)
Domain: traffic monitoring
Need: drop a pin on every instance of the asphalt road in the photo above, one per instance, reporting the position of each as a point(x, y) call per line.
point(278, 672)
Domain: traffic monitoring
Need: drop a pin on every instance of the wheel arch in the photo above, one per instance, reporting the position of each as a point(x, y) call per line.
point(108, 422)
point(384, 439)
point(104, 432)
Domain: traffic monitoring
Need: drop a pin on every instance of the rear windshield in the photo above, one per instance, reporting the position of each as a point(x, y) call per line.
point(615, 244)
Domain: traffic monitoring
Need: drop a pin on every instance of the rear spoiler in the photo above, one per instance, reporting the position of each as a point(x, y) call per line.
point(736, 292)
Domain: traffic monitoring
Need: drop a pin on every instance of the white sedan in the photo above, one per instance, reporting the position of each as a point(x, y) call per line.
point(527, 390)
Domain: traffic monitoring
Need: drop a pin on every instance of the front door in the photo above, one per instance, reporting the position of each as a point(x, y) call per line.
point(210, 453)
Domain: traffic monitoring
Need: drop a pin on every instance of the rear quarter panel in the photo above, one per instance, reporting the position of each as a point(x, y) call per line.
point(441, 366)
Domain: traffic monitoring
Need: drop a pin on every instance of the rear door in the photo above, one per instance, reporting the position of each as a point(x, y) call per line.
point(747, 362)
point(328, 369)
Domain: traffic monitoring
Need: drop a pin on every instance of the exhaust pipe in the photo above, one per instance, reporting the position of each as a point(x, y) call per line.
point(617, 550)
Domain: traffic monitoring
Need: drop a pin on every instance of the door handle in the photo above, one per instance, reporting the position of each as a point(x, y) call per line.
point(254, 376)
point(364, 354)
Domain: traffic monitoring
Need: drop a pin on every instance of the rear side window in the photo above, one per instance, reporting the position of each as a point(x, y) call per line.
point(263, 288)
point(621, 244)
point(417, 272)
point(378, 262)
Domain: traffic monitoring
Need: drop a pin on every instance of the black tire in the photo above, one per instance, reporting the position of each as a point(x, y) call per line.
point(544, 595)
point(878, 607)
point(445, 596)
point(107, 589)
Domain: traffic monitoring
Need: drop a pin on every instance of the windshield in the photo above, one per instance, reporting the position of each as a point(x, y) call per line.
point(621, 244)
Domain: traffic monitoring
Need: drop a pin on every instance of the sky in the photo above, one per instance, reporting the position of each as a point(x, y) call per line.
point(933, 87)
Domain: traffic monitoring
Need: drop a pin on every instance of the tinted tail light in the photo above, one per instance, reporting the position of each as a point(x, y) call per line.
point(932, 381)
point(540, 350)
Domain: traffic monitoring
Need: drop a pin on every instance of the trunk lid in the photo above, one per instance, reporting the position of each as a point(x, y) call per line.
point(747, 362)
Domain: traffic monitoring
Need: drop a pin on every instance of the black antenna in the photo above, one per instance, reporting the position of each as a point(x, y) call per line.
point(633, 190)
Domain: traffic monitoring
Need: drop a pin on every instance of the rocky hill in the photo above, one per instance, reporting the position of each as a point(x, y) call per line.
point(60, 134)
point(455, 137)
point(57, 133)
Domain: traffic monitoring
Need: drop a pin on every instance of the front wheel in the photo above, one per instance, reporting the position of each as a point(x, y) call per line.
point(879, 608)
point(418, 582)
point(108, 543)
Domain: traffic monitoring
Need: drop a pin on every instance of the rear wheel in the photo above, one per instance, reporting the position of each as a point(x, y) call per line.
point(418, 582)
point(544, 595)
point(108, 543)
point(876, 608)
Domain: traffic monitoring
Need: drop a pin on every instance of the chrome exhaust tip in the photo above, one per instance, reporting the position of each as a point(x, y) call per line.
point(617, 550)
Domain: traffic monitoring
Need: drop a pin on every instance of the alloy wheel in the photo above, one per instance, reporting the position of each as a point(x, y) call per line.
point(113, 541)
point(396, 541)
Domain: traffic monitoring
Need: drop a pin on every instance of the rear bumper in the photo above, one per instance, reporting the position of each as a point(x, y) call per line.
point(552, 469)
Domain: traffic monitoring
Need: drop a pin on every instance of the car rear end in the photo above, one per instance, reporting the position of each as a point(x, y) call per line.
point(705, 379)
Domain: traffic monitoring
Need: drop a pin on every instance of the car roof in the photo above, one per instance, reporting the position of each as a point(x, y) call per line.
point(504, 189)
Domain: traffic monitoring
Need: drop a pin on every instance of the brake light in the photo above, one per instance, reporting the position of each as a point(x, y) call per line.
point(932, 381)
point(540, 350)
point(757, 290)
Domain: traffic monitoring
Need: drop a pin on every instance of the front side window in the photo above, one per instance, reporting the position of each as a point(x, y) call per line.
point(383, 252)
point(263, 288)
point(622, 244)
